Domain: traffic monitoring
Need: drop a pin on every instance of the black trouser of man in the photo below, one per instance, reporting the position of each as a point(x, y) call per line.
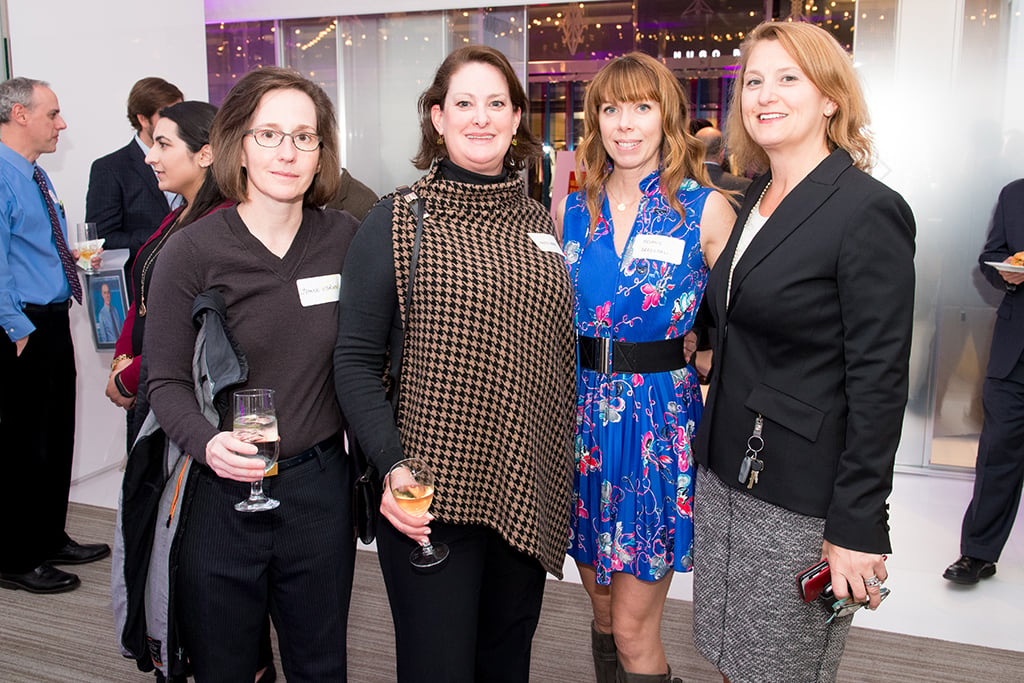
point(297, 561)
point(37, 440)
point(471, 619)
point(999, 471)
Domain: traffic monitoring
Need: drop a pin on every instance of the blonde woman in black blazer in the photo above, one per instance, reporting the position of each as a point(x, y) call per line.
point(812, 300)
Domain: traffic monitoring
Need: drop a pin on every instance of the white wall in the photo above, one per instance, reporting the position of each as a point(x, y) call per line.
point(92, 54)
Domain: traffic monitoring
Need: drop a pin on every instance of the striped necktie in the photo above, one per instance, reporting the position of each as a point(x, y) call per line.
point(58, 235)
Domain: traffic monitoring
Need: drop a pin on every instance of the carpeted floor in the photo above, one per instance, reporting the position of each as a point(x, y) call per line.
point(69, 637)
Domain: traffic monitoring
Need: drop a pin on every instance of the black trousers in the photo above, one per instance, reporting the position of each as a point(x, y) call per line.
point(999, 471)
point(473, 618)
point(297, 561)
point(37, 441)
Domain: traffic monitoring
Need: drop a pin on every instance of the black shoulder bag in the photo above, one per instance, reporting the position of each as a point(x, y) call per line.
point(367, 490)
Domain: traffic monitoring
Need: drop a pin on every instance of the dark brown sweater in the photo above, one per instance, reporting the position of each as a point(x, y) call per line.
point(289, 346)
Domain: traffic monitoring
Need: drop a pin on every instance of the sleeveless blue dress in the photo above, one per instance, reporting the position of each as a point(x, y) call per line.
point(633, 481)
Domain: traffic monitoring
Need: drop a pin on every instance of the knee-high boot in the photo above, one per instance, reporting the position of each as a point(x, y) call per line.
point(606, 657)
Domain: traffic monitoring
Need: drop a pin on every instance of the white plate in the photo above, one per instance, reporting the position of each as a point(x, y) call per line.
point(1007, 267)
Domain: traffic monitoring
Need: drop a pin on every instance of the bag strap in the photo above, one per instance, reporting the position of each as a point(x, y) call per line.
point(416, 207)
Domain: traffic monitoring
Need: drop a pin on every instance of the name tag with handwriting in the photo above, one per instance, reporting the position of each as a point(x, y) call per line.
point(658, 248)
point(319, 290)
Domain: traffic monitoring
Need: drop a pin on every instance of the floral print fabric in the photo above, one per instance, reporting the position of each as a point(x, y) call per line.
point(633, 481)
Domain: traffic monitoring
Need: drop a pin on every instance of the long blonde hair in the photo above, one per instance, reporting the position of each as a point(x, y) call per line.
point(637, 77)
point(830, 69)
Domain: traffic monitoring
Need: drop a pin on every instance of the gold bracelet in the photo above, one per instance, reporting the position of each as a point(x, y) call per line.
point(118, 359)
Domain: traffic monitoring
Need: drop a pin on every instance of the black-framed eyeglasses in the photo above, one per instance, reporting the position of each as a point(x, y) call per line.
point(269, 137)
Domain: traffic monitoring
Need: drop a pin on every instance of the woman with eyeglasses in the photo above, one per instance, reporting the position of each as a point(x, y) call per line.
point(276, 260)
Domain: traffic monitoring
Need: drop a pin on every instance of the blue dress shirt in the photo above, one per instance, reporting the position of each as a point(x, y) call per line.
point(30, 268)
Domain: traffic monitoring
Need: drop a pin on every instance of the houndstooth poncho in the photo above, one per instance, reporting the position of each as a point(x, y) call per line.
point(488, 369)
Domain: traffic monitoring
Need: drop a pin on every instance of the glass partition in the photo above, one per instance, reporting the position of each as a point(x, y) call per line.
point(941, 80)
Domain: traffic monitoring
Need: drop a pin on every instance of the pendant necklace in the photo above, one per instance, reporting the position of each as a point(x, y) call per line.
point(621, 206)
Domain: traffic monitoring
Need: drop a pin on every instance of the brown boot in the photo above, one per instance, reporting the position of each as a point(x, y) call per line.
point(606, 657)
point(624, 676)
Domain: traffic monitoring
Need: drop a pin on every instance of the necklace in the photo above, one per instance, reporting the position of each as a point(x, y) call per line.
point(141, 308)
point(621, 206)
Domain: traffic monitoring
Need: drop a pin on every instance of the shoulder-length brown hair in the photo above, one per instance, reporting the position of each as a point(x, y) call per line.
point(638, 77)
point(824, 61)
point(234, 118)
point(527, 145)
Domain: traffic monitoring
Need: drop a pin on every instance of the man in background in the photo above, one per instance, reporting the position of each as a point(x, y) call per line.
point(124, 200)
point(999, 470)
point(38, 282)
point(353, 196)
point(714, 155)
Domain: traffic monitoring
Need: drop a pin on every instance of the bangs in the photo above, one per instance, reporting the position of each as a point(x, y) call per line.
point(625, 80)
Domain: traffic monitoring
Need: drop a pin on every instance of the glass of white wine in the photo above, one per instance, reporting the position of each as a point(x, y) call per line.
point(87, 244)
point(412, 484)
point(256, 423)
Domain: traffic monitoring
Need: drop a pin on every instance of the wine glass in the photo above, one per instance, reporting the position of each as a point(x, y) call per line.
point(256, 423)
point(87, 244)
point(412, 484)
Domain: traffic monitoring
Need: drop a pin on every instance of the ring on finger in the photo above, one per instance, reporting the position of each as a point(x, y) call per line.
point(872, 582)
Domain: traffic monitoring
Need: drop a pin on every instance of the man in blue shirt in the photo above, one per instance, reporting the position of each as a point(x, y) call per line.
point(38, 282)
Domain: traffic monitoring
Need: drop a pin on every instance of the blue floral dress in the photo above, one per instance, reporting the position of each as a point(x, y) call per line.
point(633, 482)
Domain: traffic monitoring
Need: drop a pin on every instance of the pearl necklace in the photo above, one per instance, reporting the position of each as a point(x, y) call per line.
point(754, 215)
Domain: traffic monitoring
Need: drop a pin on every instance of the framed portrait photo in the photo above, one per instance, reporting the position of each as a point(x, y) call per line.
point(108, 305)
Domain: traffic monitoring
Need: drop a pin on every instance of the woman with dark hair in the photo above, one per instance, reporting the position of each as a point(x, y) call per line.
point(182, 158)
point(486, 379)
point(276, 260)
point(640, 239)
point(813, 301)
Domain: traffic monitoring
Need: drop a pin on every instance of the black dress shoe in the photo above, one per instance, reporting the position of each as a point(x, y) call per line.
point(74, 553)
point(968, 570)
point(42, 579)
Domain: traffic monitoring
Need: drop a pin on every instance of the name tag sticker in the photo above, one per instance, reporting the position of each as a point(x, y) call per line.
point(319, 290)
point(545, 242)
point(658, 248)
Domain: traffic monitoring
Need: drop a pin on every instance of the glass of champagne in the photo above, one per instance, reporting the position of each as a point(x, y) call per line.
point(412, 484)
point(256, 423)
point(87, 244)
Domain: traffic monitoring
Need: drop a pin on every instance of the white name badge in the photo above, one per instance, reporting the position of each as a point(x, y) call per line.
point(658, 248)
point(319, 290)
point(545, 242)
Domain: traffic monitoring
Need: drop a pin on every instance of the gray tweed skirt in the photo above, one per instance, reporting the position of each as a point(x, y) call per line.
point(748, 617)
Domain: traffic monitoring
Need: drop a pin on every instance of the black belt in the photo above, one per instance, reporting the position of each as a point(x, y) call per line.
point(631, 357)
point(310, 453)
point(59, 307)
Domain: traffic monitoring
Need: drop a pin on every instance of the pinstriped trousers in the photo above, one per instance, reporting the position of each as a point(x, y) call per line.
point(296, 560)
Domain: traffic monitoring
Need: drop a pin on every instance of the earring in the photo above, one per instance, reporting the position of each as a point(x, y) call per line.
point(440, 140)
point(515, 141)
point(830, 111)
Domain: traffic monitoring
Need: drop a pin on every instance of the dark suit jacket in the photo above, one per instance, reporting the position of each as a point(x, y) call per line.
point(816, 339)
point(353, 196)
point(124, 199)
point(1005, 239)
point(727, 181)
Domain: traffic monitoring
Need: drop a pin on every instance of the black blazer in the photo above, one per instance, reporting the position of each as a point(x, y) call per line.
point(816, 339)
point(1005, 239)
point(124, 199)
